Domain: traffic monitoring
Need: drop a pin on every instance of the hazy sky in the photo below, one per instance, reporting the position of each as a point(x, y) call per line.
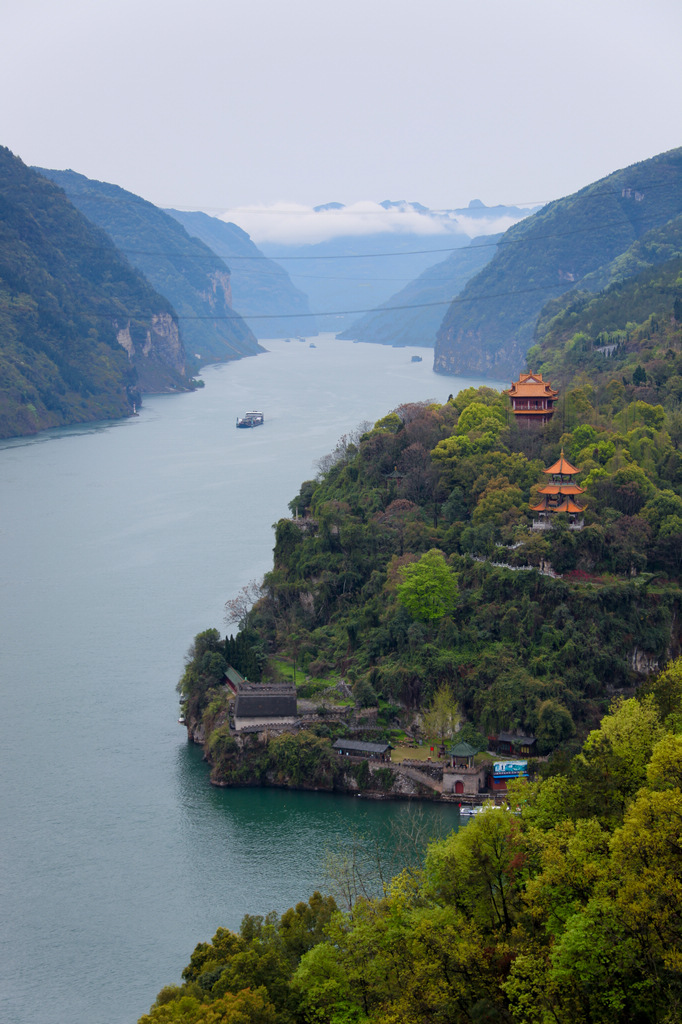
point(212, 104)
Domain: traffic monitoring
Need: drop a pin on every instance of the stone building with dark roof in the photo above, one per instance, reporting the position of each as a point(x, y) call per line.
point(260, 706)
point(513, 744)
point(358, 748)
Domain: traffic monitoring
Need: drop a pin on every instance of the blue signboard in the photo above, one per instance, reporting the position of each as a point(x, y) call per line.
point(509, 769)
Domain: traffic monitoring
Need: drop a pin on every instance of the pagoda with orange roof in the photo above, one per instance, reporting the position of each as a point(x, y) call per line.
point(559, 494)
point(532, 400)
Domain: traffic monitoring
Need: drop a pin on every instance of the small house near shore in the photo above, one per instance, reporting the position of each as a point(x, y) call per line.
point(512, 744)
point(358, 748)
point(261, 706)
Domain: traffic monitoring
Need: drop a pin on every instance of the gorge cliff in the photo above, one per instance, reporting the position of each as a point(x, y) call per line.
point(82, 333)
point(181, 268)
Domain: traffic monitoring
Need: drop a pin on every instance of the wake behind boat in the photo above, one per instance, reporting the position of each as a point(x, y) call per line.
point(251, 419)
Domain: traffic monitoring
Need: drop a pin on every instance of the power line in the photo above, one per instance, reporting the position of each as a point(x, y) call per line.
point(295, 316)
point(375, 309)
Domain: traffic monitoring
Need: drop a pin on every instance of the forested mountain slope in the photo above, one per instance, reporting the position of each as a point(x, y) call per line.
point(81, 331)
point(627, 335)
point(563, 906)
point(414, 567)
point(563, 246)
point(262, 290)
point(421, 304)
point(181, 268)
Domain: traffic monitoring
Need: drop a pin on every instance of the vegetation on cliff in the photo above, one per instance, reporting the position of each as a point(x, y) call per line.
point(409, 567)
point(414, 567)
point(183, 269)
point(66, 298)
point(261, 288)
point(565, 908)
point(585, 240)
point(413, 315)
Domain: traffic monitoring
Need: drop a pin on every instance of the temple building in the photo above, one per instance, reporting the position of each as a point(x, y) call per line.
point(532, 400)
point(558, 495)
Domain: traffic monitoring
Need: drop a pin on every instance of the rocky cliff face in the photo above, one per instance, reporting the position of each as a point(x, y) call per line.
point(262, 289)
point(156, 352)
point(467, 352)
point(182, 268)
point(82, 333)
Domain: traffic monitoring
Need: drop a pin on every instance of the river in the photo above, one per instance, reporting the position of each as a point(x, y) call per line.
point(119, 541)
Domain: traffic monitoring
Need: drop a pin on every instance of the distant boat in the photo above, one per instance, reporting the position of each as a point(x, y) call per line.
point(416, 359)
point(313, 345)
point(251, 419)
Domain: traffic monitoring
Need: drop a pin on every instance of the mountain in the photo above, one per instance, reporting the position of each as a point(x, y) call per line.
point(81, 332)
point(570, 243)
point(345, 276)
point(183, 269)
point(358, 272)
point(627, 335)
point(413, 315)
point(262, 290)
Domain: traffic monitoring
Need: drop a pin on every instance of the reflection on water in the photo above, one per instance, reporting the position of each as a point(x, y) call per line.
point(283, 843)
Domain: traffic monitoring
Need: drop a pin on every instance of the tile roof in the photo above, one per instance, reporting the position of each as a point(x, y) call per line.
point(361, 746)
point(562, 466)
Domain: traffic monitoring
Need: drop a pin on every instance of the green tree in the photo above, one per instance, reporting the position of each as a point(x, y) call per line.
point(481, 869)
point(429, 587)
point(442, 717)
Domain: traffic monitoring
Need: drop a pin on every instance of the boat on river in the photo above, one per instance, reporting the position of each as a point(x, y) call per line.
point(251, 419)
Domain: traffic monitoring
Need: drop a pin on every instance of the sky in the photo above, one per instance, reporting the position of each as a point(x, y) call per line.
point(275, 107)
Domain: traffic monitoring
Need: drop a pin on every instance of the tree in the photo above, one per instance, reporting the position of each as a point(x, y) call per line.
point(429, 587)
point(639, 376)
point(237, 610)
point(554, 725)
point(481, 869)
point(442, 717)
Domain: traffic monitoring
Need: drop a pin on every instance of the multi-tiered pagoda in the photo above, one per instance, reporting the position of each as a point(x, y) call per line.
point(559, 494)
point(532, 400)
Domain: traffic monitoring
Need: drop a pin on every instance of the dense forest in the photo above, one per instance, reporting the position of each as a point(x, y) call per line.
point(563, 908)
point(66, 298)
point(409, 564)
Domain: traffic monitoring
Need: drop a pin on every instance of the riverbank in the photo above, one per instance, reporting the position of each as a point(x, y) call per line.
point(299, 758)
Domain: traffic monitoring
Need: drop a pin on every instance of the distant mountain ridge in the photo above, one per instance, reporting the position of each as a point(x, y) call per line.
point(569, 243)
point(355, 272)
point(180, 267)
point(261, 289)
point(82, 333)
point(413, 315)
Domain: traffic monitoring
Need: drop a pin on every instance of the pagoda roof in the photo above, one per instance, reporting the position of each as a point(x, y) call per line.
point(563, 466)
point(544, 506)
point(569, 506)
point(531, 385)
point(568, 488)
